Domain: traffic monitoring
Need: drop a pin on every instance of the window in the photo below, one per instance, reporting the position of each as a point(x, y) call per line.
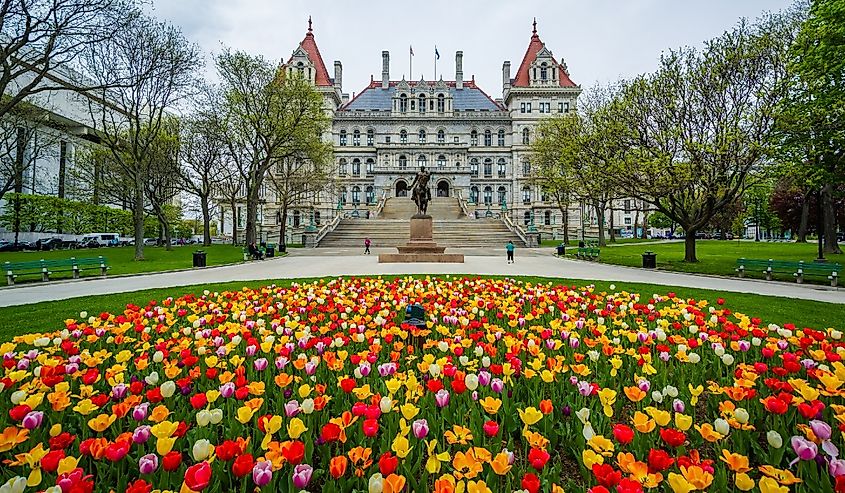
point(488, 138)
point(356, 195)
point(387, 139)
point(343, 137)
point(371, 137)
point(413, 104)
point(441, 136)
point(502, 167)
point(522, 107)
point(488, 195)
point(501, 137)
point(473, 138)
point(473, 194)
point(356, 167)
point(525, 136)
point(563, 107)
point(544, 196)
point(342, 195)
point(526, 167)
point(627, 206)
point(560, 107)
point(297, 219)
point(403, 103)
point(441, 161)
point(547, 218)
point(341, 167)
point(317, 218)
point(441, 103)
point(371, 194)
point(544, 72)
point(627, 221)
point(421, 161)
point(403, 162)
point(403, 137)
point(422, 103)
point(545, 107)
point(526, 195)
point(526, 218)
point(422, 136)
point(488, 168)
point(473, 167)
point(528, 107)
point(502, 195)
point(370, 165)
point(356, 137)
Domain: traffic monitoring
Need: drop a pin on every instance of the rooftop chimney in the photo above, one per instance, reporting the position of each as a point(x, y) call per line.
point(459, 70)
point(506, 75)
point(338, 75)
point(385, 69)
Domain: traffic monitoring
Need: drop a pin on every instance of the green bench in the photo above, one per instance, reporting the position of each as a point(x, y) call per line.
point(588, 253)
point(46, 267)
point(797, 269)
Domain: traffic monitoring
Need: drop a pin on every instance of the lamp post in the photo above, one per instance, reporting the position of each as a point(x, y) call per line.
point(757, 218)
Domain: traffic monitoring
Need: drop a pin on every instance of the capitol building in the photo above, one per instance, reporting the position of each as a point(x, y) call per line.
point(475, 145)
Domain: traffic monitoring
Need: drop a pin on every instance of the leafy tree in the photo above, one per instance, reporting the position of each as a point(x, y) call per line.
point(553, 155)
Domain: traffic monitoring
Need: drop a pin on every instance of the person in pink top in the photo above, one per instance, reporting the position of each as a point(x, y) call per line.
point(366, 246)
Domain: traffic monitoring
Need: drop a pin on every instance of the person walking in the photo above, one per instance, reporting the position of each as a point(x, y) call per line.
point(510, 248)
point(366, 246)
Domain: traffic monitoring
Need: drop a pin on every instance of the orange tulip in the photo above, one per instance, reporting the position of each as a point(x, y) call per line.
point(11, 437)
point(394, 483)
point(546, 406)
point(337, 466)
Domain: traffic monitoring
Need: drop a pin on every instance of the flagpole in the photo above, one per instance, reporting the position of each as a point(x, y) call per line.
point(411, 63)
point(435, 64)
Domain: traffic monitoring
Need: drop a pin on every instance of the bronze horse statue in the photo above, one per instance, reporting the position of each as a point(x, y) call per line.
point(420, 193)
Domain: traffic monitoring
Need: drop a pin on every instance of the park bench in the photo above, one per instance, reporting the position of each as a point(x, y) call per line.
point(588, 253)
point(46, 267)
point(797, 269)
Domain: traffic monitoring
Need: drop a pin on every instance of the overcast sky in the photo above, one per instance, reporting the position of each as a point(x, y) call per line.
point(600, 40)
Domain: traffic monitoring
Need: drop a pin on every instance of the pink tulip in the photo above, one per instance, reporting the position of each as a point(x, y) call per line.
point(148, 464)
point(442, 398)
point(420, 428)
point(260, 364)
point(262, 473)
point(805, 449)
point(836, 467)
point(302, 475)
point(33, 420)
point(821, 429)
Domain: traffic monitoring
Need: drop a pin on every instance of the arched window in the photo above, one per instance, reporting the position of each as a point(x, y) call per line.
point(441, 161)
point(473, 138)
point(356, 137)
point(371, 137)
point(547, 218)
point(525, 136)
point(356, 166)
point(421, 161)
point(526, 195)
point(488, 167)
point(526, 167)
point(371, 194)
point(441, 103)
point(403, 136)
point(403, 103)
point(341, 167)
point(488, 195)
point(343, 137)
point(473, 166)
point(544, 73)
point(300, 67)
point(473, 194)
point(422, 136)
point(544, 196)
point(403, 162)
point(342, 195)
point(370, 165)
point(502, 167)
point(441, 136)
point(502, 194)
point(526, 218)
point(317, 218)
point(422, 103)
point(296, 219)
point(356, 195)
point(501, 137)
point(488, 138)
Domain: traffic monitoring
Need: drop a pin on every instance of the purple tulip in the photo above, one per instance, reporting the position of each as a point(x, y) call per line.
point(484, 378)
point(262, 473)
point(574, 343)
point(420, 428)
point(139, 412)
point(119, 391)
point(584, 388)
point(442, 398)
point(644, 385)
point(744, 346)
point(782, 345)
point(141, 434)
point(251, 350)
point(664, 356)
point(310, 368)
point(497, 385)
point(281, 362)
point(836, 467)
point(33, 420)
point(804, 449)
point(567, 411)
point(302, 475)
point(260, 364)
point(365, 368)
point(678, 406)
point(227, 390)
point(291, 408)
point(148, 464)
point(821, 429)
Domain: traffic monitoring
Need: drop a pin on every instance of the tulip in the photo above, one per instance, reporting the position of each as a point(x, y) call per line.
point(33, 419)
point(836, 467)
point(376, 483)
point(141, 434)
point(471, 381)
point(302, 475)
point(198, 476)
point(260, 364)
point(821, 429)
point(139, 412)
point(148, 464)
point(491, 428)
point(803, 448)
point(262, 473)
point(420, 428)
point(721, 426)
point(291, 408)
point(774, 439)
point(385, 404)
point(307, 406)
point(227, 390)
point(442, 398)
point(168, 388)
point(678, 406)
point(16, 484)
point(497, 385)
point(202, 449)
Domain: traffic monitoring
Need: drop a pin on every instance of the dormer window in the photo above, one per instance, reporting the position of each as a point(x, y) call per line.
point(441, 103)
point(403, 103)
point(403, 137)
point(422, 103)
point(544, 72)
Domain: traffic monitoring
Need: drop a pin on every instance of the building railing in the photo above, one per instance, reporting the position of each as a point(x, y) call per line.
point(463, 203)
point(326, 229)
point(381, 202)
point(515, 228)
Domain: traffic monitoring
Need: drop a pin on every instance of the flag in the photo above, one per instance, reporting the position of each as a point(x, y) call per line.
point(436, 53)
point(412, 51)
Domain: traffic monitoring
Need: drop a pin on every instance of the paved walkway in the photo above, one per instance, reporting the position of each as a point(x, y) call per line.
point(303, 263)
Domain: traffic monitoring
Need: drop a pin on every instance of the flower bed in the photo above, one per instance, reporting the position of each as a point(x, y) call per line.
point(509, 386)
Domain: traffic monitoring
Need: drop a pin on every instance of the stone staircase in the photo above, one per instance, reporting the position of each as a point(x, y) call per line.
point(451, 228)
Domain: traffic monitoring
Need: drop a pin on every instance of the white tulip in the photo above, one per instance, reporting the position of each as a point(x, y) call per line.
point(376, 483)
point(385, 404)
point(721, 426)
point(741, 415)
point(307, 406)
point(15, 485)
point(168, 388)
point(728, 359)
point(203, 418)
point(18, 396)
point(694, 358)
point(158, 357)
point(202, 449)
point(774, 439)
point(471, 381)
point(216, 416)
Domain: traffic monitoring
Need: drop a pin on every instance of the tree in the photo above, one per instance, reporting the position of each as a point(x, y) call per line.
point(157, 65)
point(553, 154)
point(230, 190)
point(268, 118)
point(297, 180)
point(698, 127)
point(162, 168)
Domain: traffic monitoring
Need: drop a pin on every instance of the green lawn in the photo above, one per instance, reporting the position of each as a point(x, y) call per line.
point(48, 316)
point(574, 242)
point(714, 256)
point(122, 259)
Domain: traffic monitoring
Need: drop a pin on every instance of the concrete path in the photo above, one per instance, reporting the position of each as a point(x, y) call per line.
point(304, 263)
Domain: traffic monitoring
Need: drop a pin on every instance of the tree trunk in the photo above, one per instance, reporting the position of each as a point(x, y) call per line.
point(831, 244)
point(612, 226)
point(566, 225)
point(165, 227)
point(599, 208)
point(138, 216)
point(251, 214)
point(689, 246)
point(645, 223)
point(283, 223)
point(206, 221)
point(636, 221)
point(234, 206)
point(805, 220)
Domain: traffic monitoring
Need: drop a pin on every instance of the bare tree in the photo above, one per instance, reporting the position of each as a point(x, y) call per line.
point(230, 189)
point(161, 185)
point(297, 181)
point(158, 65)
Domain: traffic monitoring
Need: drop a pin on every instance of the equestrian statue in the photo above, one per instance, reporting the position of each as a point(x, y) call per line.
point(420, 193)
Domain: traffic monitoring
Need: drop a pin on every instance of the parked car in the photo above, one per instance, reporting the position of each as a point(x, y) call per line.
point(150, 241)
point(46, 244)
point(93, 240)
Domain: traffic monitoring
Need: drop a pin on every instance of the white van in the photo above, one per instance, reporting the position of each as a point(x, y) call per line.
point(100, 239)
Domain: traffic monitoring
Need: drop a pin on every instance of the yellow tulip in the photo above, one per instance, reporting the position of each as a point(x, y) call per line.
point(530, 416)
point(165, 445)
point(679, 484)
point(589, 458)
point(101, 422)
point(490, 404)
point(401, 447)
point(642, 422)
point(67, 464)
point(245, 414)
point(744, 482)
point(296, 428)
point(409, 411)
point(683, 422)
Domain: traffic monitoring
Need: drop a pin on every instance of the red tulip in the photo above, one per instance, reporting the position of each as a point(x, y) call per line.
point(531, 483)
point(243, 465)
point(198, 476)
point(491, 428)
point(387, 464)
point(330, 433)
point(50, 462)
point(18, 412)
point(139, 486)
point(294, 452)
point(198, 401)
point(628, 485)
point(348, 385)
point(623, 434)
point(673, 437)
point(659, 460)
point(117, 450)
point(370, 427)
point(606, 475)
point(171, 461)
point(227, 450)
point(538, 458)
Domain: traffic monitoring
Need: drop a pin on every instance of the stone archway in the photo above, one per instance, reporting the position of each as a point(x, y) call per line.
point(401, 188)
point(442, 188)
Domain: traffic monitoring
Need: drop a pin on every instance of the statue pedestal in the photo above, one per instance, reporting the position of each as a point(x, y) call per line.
point(421, 247)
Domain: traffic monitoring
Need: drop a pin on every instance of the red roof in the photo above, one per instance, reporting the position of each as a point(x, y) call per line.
point(522, 78)
point(310, 46)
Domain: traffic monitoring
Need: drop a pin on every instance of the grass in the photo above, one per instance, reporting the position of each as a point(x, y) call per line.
point(619, 241)
point(49, 316)
point(122, 259)
point(715, 256)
